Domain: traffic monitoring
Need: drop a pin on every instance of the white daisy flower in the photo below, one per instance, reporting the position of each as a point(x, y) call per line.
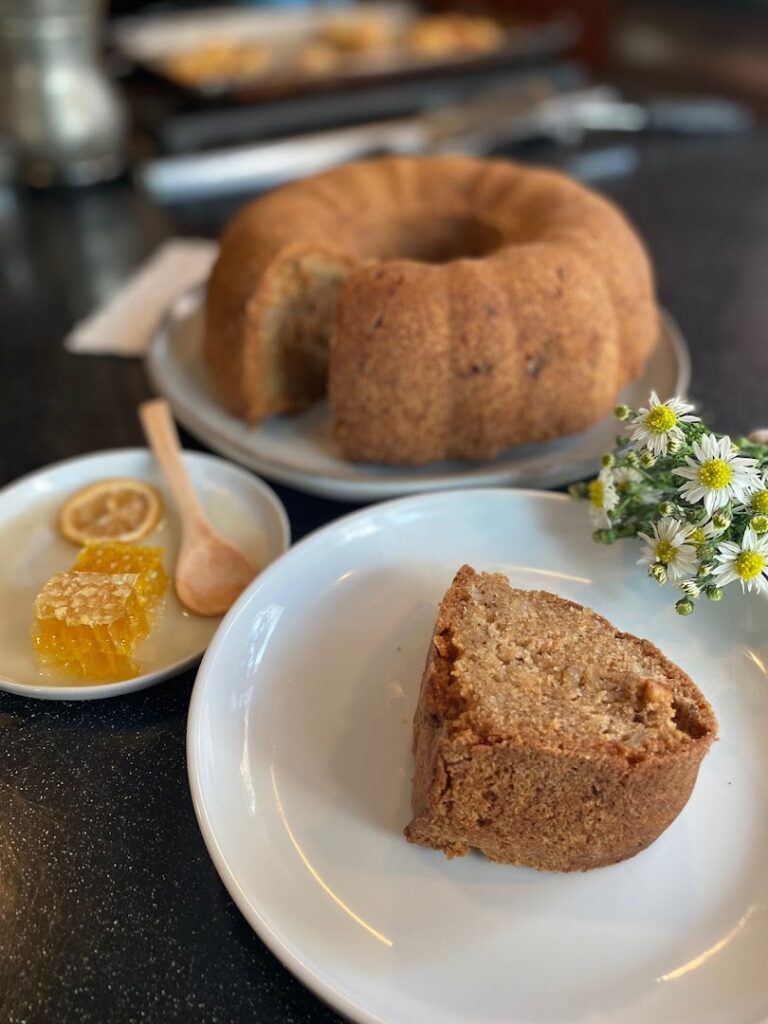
point(717, 474)
point(656, 426)
point(670, 545)
point(602, 498)
point(649, 497)
point(757, 501)
point(626, 476)
point(746, 562)
point(703, 533)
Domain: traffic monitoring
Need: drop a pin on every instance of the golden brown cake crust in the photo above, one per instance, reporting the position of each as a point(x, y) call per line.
point(479, 303)
point(603, 761)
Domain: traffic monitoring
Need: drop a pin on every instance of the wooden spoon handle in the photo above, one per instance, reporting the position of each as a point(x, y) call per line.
point(160, 432)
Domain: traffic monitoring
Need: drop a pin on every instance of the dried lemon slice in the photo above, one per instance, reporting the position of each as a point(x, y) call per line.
point(123, 509)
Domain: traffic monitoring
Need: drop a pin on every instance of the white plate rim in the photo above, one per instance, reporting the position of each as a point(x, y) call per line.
point(290, 960)
point(371, 488)
point(283, 943)
point(147, 679)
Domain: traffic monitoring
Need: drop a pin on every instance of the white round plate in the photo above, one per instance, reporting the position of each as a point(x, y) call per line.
point(31, 551)
point(299, 450)
point(299, 756)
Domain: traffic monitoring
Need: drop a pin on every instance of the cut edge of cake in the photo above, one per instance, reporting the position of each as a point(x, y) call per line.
point(538, 794)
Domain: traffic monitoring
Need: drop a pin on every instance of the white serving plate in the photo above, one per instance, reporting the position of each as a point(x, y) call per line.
point(299, 450)
point(31, 550)
point(299, 757)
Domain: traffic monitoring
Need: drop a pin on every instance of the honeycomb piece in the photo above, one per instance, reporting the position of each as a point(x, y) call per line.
point(88, 624)
point(119, 557)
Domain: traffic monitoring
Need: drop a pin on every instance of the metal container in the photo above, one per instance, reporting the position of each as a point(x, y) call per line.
point(63, 119)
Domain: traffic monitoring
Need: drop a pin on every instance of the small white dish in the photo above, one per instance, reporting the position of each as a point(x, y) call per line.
point(299, 450)
point(299, 756)
point(31, 550)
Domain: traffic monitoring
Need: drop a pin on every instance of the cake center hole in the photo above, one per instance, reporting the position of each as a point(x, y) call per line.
point(429, 239)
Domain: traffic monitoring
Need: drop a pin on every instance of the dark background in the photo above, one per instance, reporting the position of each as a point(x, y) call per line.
point(110, 909)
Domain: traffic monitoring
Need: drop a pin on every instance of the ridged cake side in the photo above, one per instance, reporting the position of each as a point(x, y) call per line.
point(469, 305)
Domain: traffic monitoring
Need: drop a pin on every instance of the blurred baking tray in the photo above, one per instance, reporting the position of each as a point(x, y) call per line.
point(150, 41)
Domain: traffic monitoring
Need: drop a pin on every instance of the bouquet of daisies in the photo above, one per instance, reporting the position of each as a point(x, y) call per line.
point(698, 500)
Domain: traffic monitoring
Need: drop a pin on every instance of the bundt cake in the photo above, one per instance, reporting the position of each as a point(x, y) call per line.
point(545, 737)
point(451, 306)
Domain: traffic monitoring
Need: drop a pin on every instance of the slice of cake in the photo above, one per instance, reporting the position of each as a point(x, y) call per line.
point(544, 736)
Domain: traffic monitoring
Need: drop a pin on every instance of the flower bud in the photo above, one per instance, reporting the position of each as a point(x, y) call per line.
point(705, 569)
point(705, 551)
point(667, 508)
point(721, 520)
point(690, 588)
point(647, 459)
point(633, 459)
point(684, 606)
point(658, 572)
point(607, 461)
point(674, 444)
point(759, 523)
point(622, 412)
point(714, 593)
point(604, 536)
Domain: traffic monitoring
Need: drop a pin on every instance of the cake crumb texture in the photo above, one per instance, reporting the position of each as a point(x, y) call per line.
point(544, 736)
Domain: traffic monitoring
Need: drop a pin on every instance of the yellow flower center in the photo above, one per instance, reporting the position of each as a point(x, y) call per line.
point(716, 474)
point(596, 491)
point(698, 536)
point(665, 551)
point(660, 419)
point(749, 564)
point(760, 502)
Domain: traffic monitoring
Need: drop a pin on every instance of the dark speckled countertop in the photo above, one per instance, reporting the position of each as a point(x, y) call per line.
point(110, 910)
